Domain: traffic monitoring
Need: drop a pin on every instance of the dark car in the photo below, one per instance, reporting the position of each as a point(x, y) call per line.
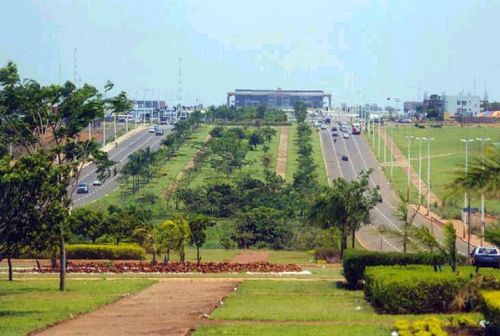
point(485, 256)
point(335, 133)
point(82, 188)
point(345, 158)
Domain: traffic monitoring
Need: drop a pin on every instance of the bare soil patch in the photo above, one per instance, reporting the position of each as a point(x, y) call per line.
point(247, 257)
point(170, 307)
point(282, 152)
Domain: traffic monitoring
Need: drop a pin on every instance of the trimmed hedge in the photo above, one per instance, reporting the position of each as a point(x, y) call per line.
point(105, 251)
point(419, 289)
point(355, 262)
point(490, 306)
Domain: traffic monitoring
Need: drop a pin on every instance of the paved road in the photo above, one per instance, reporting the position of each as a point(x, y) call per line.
point(361, 158)
point(141, 140)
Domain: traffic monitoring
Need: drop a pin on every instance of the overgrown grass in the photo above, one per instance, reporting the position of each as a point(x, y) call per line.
point(291, 161)
point(33, 304)
point(318, 157)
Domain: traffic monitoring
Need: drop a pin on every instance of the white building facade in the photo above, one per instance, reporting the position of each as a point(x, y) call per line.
point(467, 105)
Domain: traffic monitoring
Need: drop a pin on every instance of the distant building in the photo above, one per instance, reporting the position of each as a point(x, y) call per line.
point(412, 107)
point(280, 99)
point(147, 109)
point(458, 105)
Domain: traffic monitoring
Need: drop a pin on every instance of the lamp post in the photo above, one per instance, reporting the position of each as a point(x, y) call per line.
point(428, 173)
point(378, 146)
point(409, 168)
point(419, 170)
point(392, 155)
point(466, 196)
point(482, 140)
point(385, 144)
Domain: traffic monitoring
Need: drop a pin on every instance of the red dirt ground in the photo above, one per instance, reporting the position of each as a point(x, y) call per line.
point(248, 256)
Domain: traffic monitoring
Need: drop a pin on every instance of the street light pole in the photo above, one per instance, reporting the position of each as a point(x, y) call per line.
point(482, 140)
point(428, 173)
point(466, 196)
point(392, 156)
point(378, 148)
point(409, 167)
point(385, 144)
point(419, 170)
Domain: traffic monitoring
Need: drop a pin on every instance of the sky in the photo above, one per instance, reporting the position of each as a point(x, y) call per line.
point(359, 51)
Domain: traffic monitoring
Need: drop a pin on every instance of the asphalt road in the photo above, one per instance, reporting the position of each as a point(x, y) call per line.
point(361, 158)
point(88, 175)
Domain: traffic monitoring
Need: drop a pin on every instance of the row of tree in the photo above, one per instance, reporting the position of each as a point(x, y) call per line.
point(233, 114)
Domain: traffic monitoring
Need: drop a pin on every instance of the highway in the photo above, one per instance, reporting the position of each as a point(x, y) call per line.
point(361, 158)
point(88, 175)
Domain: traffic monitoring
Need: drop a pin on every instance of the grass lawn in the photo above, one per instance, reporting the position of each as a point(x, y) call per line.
point(122, 196)
point(447, 154)
point(291, 161)
point(276, 329)
point(302, 301)
point(33, 304)
point(289, 257)
point(318, 157)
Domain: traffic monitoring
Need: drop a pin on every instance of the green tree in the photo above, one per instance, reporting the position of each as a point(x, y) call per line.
point(255, 139)
point(300, 111)
point(173, 235)
point(197, 226)
point(50, 118)
point(346, 205)
point(87, 223)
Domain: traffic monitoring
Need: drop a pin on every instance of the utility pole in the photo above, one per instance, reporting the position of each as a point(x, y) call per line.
point(428, 173)
point(409, 168)
point(466, 194)
point(378, 148)
point(419, 170)
point(385, 144)
point(482, 140)
point(392, 155)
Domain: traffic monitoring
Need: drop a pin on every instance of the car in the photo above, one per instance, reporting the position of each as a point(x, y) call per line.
point(345, 135)
point(323, 127)
point(334, 128)
point(82, 188)
point(334, 134)
point(345, 158)
point(486, 256)
point(152, 130)
point(159, 131)
point(96, 183)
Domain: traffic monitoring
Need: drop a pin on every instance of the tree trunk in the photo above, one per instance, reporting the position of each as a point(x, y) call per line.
point(198, 255)
point(9, 262)
point(62, 263)
point(167, 257)
point(353, 238)
point(153, 261)
point(343, 243)
point(38, 264)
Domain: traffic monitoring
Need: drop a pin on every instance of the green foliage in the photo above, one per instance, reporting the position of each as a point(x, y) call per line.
point(490, 306)
point(330, 255)
point(261, 227)
point(356, 261)
point(87, 223)
point(121, 223)
point(419, 289)
point(232, 114)
point(102, 251)
point(173, 235)
point(197, 226)
point(492, 234)
point(300, 111)
point(427, 327)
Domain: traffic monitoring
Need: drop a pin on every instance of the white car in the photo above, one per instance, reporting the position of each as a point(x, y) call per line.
point(345, 135)
point(152, 130)
point(323, 127)
point(96, 183)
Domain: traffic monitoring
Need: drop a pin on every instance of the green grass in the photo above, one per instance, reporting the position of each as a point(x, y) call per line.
point(34, 304)
point(291, 161)
point(318, 157)
point(275, 329)
point(253, 167)
point(447, 154)
point(165, 177)
point(289, 257)
point(305, 301)
point(207, 255)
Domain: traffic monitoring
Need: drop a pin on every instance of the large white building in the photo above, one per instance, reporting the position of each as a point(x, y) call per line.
point(468, 105)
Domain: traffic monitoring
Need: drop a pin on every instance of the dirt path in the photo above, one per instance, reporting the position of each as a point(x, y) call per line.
point(282, 152)
point(249, 256)
point(170, 307)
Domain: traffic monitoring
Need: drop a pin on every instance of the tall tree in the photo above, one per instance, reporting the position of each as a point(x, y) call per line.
point(300, 111)
point(346, 205)
point(197, 226)
point(50, 118)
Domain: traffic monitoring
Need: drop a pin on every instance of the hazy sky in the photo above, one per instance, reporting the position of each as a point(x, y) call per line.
point(352, 49)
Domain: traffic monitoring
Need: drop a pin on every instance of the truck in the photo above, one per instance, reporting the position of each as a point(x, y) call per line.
point(356, 128)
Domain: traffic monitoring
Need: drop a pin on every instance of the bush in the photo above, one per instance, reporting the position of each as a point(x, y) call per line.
point(490, 306)
point(104, 251)
point(329, 255)
point(355, 262)
point(430, 326)
point(418, 289)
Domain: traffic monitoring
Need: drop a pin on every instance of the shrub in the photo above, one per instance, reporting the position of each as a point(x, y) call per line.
point(429, 327)
point(355, 262)
point(329, 255)
point(418, 289)
point(104, 251)
point(490, 306)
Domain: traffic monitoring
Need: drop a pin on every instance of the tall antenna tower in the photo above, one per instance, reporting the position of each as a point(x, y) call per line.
point(75, 69)
point(179, 83)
